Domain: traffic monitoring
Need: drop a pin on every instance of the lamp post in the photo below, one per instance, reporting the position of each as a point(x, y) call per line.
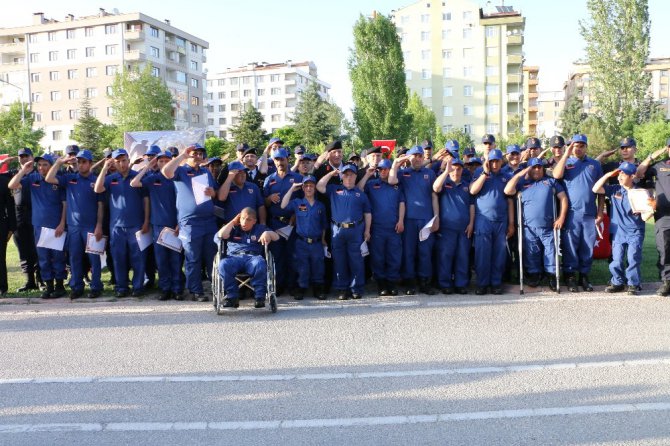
point(23, 115)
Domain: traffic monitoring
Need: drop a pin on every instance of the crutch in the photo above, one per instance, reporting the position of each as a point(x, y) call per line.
point(557, 245)
point(519, 232)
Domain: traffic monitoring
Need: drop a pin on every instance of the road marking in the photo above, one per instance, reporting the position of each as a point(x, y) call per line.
point(336, 422)
point(518, 368)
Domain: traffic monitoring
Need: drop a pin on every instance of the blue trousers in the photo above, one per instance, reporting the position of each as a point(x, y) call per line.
point(579, 237)
point(490, 251)
point(76, 242)
point(626, 245)
point(385, 253)
point(52, 262)
point(454, 258)
point(416, 255)
point(347, 259)
point(309, 262)
point(123, 245)
point(199, 250)
point(254, 266)
point(168, 263)
point(539, 252)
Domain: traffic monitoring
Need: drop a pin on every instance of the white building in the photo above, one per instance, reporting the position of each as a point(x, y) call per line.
point(550, 105)
point(273, 89)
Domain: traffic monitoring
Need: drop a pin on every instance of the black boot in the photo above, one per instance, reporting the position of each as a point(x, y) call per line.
point(318, 292)
point(392, 288)
point(30, 283)
point(585, 282)
point(410, 287)
point(425, 288)
point(572, 283)
point(59, 291)
point(38, 279)
point(664, 289)
point(48, 292)
point(382, 287)
point(299, 294)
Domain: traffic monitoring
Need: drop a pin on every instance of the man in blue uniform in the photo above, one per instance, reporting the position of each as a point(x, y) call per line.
point(163, 201)
point(197, 224)
point(513, 160)
point(421, 206)
point(237, 193)
point(557, 143)
point(351, 217)
point(310, 229)
point(627, 228)
point(494, 223)
point(457, 220)
point(246, 254)
point(129, 213)
point(538, 193)
point(48, 211)
point(579, 173)
point(85, 211)
point(387, 204)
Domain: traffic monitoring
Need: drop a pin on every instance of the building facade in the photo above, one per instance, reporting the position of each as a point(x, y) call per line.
point(466, 63)
point(53, 65)
point(550, 104)
point(530, 97)
point(273, 89)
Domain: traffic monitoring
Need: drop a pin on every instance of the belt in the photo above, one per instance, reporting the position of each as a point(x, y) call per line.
point(282, 219)
point(308, 239)
point(346, 225)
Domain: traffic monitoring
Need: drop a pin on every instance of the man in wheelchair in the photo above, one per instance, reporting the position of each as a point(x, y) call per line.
point(245, 254)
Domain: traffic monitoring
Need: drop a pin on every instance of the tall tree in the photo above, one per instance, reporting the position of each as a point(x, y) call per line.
point(377, 73)
point(249, 129)
point(572, 116)
point(651, 135)
point(87, 129)
point(311, 117)
point(617, 48)
point(290, 136)
point(141, 102)
point(16, 132)
point(423, 120)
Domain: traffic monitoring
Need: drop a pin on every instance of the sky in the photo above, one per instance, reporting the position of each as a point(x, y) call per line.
point(274, 31)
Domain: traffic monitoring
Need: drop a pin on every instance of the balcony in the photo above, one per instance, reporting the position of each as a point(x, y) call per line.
point(174, 64)
point(135, 56)
point(515, 40)
point(133, 35)
point(532, 80)
point(514, 58)
point(13, 48)
point(513, 78)
point(170, 45)
point(204, 58)
point(514, 97)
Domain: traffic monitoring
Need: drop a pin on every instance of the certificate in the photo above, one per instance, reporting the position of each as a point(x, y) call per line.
point(143, 240)
point(168, 237)
point(94, 246)
point(639, 201)
point(49, 240)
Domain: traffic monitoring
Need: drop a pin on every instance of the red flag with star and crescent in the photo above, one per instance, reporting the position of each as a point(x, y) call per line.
point(387, 145)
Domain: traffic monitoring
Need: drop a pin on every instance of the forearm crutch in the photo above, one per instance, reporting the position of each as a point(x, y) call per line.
point(557, 245)
point(519, 231)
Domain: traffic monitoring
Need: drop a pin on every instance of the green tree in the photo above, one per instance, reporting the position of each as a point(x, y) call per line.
point(423, 120)
point(87, 129)
point(377, 73)
point(315, 120)
point(140, 102)
point(109, 133)
point(464, 139)
point(572, 116)
point(249, 129)
point(651, 135)
point(617, 48)
point(290, 136)
point(15, 132)
point(599, 137)
point(214, 146)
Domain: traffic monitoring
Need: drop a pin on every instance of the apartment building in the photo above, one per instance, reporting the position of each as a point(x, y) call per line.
point(466, 62)
point(580, 77)
point(53, 65)
point(550, 104)
point(273, 89)
point(530, 95)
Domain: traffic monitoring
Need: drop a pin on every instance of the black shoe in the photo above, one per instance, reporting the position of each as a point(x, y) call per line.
point(392, 288)
point(178, 295)
point(447, 290)
point(48, 292)
point(137, 293)
point(59, 289)
point(165, 295)
point(664, 289)
point(425, 288)
point(356, 296)
point(633, 290)
point(497, 290)
point(585, 283)
point(119, 294)
point(534, 280)
point(299, 294)
point(382, 287)
point(552, 283)
point(410, 289)
point(318, 292)
point(280, 291)
point(230, 303)
point(572, 283)
point(615, 288)
point(461, 290)
point(27, 287)
point(259, 303)
point(76, 294)
point(482, 290)
point(200, 298)
point(94, 294)
point(342, 295)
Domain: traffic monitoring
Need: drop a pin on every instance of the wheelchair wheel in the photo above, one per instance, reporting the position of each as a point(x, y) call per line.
point(271, 282)
point(217, 286)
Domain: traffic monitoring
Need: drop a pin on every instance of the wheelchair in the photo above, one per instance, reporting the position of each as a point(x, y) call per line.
point(243, 281)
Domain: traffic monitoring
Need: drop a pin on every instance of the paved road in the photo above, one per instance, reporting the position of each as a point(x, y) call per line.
point(541, 369)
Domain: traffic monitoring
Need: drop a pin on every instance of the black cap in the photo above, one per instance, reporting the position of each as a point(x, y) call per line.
point(241, 147)
point(354, 155)
point(374, 150)
point(334, 145)
point(248, 150)
point(427, 144)
point(488, 138)
point(299, 149)
point(72, 149)
point(556, 141)
point(402, 151)
point(534, 143)
point(628, 142)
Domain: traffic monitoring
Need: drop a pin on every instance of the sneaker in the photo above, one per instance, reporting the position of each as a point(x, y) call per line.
point(633, 290)
point(230, 303)
point(615, 288)
point(259, 303)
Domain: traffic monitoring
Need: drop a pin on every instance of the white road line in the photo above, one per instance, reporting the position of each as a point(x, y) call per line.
point(336, 422)
point(663, 361)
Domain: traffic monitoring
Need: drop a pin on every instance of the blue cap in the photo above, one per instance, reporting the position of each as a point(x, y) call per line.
point(349, 167)
point(384, 164)
point(427, 144)
point(46, 157)
point(276, 140)
point(201, 148)
point(628, 142)
point(469, 151)
point(309, 156)
point(309, 179)
point(166, 154)
point(451, 144)
point(488, 138)
point(580, 138)
point(279, 153)
point(513, 148)
point(474, 160)
point(153, 150)
point(214, 159)
point(25, 151)
point(628, 168)
point(86, 154)
point(535, 162)
point(118, 152)
point(235, 165)
point(457, 162)
point(72, 149)
point(495, 154)
point(416, 150)
point(299, 149)
point(533, 143)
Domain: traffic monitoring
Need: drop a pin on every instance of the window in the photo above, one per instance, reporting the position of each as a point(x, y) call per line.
point(467, 128)
point(425, 74)
point(425, 18)
point(405, 55)
point(404, 20)
point(73, 94)
point(110, 29)
point(467, 110)
point(210, 108)
point(210, 121)
point(246, 80)
point(195, 100)
point(32, 38)
point(446, 16)
point(36, 97)
point(222, 121)
point(222, 95)
point(34, 77)
point(275, 91)
point(51, 36)
point(234, 94)
point(425, 36)
point(37, 116)
point(91, 92)
point(491, 70)
point(492, 51)
point(447, 111)
point(446, 72)
point(467, 33)
point(110, 70)
point(194, 65)
point(467, 71)
point(194, 47)
point(427, 92)
point(93, 112)
point(56, 135)
point(53, 56)
point(447, 54)
point(71, 54)
point(275, 104)
point(221, 82)
point(467, 53)
point(448, 91)
point(154, 32)
point(425, 54)
point(275, 77)
point(222, 107)
point(180, 41)
point(403, 38)
point(91, 72)
point(72, 74)
point(260, 92)
point(408, 75)
point(467, 15)
point(90, 51)
point(110, 91)
point(261, 106)
point(234, 107)
point(260, 79)
point(446, 34)
point(491, 31)
point(110, 111)
point(70, 34)
point(222, 134)
point(194, 83)
point(55, 95)
point(195, 117)
point(493, 128)
point(492, 89)
point(88, 31)
point(492, 109)
point(54, 75)
point(246, 93)
point(275, 118)
point(74, 114)
point(234, 81)
point(180, 77)
point(467, 90)
point(155, 52)
point(34, 57)
point(56, 115)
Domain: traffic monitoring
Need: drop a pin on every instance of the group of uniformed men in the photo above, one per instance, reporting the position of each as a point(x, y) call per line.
point(426, 219)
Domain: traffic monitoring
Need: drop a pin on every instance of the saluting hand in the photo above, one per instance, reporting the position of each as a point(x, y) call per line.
point(659, 153)
point(28, 166)
point(607, 153)
point(8, 160)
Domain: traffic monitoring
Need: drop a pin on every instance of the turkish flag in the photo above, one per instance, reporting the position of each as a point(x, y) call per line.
point(387, 145)
point(603, 246)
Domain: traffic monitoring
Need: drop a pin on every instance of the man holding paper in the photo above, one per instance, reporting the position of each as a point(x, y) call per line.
point(49, 208)
point(85, 211)
point(195, 188)
point(237, 193)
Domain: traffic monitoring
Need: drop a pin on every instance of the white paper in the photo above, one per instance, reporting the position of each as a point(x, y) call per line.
point(364, 249)
point(143, 240)
point(200, 183)
point(168, 237)
point(49, 240)
point(639, 201)
point(103, 260)
point(285, 231)
point(94, 246)
point(424, 233)
point(326, 253)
